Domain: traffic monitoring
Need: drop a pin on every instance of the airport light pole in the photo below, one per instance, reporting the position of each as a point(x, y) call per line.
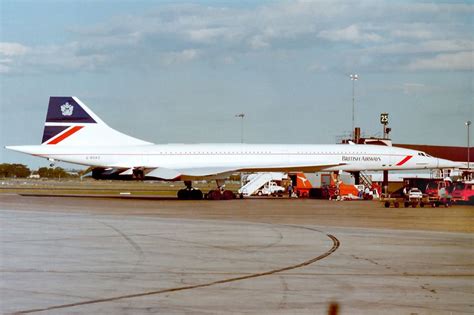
point(354, 77)
point(468, 124)
point(241, 116)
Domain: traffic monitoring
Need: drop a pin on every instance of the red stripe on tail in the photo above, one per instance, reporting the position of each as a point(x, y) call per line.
point(68, 133)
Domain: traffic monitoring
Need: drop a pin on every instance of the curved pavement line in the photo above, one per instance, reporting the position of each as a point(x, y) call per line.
point(335, 246)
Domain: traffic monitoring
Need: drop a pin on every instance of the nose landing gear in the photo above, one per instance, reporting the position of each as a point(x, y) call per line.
point(191, 193)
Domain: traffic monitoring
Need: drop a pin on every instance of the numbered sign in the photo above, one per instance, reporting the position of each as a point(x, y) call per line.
point(384, 118)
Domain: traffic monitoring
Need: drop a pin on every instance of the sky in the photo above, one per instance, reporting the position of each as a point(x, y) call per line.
point(179, 72)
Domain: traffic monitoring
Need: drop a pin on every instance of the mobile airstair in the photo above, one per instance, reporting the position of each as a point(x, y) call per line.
point(257, 180)
point(365, 179)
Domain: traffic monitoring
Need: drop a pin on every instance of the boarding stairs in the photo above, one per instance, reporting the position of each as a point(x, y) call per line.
point(365, 179)
point(257, 180)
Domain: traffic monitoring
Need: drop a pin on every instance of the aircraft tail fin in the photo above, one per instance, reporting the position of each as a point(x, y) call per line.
point(71, 122)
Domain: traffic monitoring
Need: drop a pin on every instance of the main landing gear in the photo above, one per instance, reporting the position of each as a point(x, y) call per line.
point(189, 193)
point(138, 173)
point(220, 194)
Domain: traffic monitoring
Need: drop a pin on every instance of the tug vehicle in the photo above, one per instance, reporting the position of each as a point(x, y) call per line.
point(407, 197)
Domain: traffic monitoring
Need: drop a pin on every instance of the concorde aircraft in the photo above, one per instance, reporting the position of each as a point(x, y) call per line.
point(73, 133)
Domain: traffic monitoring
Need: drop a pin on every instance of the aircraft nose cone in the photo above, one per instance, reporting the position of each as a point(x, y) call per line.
point(442, 163)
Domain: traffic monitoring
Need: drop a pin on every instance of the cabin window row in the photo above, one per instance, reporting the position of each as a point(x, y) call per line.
point(260, 152)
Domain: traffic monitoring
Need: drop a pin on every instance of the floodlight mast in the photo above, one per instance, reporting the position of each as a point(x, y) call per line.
point(468, 125)
point(354, 77)
point(241, 116)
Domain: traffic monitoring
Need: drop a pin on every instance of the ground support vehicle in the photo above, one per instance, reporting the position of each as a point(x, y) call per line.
point(272, 189)
point(463, 192)
point(436, 201)
point(396, 202)
point(301, 185)
point(439, 192)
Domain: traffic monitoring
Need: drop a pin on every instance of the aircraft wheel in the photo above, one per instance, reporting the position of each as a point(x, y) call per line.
point(228, 195)
point(406, 204)
point(214, 195)
point(422, 204)
point(196, 194)
point(183, 194)
point(387, 204)
point(259, 193)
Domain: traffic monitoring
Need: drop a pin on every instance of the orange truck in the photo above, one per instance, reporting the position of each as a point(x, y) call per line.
point(302, 187)
point(301, 184)
point(348, 191)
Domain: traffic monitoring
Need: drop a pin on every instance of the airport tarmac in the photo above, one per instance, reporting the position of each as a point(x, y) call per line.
point(64, 255)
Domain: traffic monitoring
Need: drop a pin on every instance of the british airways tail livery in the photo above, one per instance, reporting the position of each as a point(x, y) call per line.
point(75, 134)
point(70, 122)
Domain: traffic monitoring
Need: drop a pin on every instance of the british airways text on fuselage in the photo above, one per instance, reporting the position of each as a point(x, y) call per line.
point(352, 158)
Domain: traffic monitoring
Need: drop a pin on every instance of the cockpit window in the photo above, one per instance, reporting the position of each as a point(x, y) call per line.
point(421, 154)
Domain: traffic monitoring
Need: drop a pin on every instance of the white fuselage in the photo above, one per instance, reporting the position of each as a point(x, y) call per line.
point(74, 133)
point(345, 157)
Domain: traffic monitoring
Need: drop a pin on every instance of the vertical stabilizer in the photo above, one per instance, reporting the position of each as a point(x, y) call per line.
point(71, 122)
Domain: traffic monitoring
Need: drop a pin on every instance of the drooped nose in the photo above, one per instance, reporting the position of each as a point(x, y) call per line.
point(442, 163)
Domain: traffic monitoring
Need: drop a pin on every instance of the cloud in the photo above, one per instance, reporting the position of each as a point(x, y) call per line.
point(440, 8)
point(413, 88)
point(429, 46)
point(228, 60)
point(258, 42)
point(4, 68)
point(382, 34)
point(415, 34)
point(12, 49)
point(49, 58)
point(316, 67)
point(8, 53)
point(210, 35)
point(416, 31)
point(180, 57)
point(351, 33)
point(456, 61)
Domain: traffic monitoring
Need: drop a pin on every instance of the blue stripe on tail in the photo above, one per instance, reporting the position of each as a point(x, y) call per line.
point(51, 131)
